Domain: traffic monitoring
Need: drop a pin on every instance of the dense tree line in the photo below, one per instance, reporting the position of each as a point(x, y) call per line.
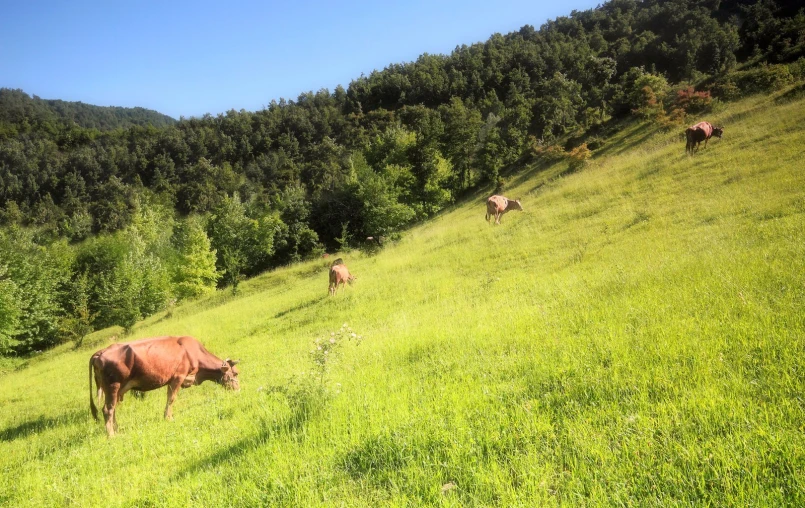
point(21, 113)
point(112, 213)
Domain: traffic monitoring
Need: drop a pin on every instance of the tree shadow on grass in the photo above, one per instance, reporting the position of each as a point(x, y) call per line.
point(791, 95)
point(518, 178)
point(631, 142)
point(300, 306)
point(41, 424)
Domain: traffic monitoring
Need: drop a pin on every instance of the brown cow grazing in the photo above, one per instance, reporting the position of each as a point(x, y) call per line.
point(339, 275)
point(148, 364)
point(498, 205)
point(702, 131)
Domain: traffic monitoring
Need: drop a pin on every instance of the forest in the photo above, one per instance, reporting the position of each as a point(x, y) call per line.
point(109, 215)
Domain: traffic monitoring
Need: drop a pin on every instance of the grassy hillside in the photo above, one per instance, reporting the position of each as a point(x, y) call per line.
point(635, 336)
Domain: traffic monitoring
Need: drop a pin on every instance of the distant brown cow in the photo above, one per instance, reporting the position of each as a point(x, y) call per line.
point(148, 364)
point(339, 274)
point(498, 205)
point(702, 131)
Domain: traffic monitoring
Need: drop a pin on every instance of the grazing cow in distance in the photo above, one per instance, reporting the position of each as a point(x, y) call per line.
point(702, 131)
point(148, 364)
point(339, 275)
point(498, 205)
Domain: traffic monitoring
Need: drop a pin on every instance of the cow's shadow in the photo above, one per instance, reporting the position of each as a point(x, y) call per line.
point(40, 424)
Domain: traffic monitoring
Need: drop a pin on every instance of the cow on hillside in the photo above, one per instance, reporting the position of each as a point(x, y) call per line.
point(339, 275)
point(702, 131)
point(498, 205)
point(148, 364)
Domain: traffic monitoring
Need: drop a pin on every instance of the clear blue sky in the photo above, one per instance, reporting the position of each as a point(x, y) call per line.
point(187, 58)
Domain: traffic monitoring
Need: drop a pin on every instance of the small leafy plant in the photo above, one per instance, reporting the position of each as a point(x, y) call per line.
point(326, 350)
point(308, 392)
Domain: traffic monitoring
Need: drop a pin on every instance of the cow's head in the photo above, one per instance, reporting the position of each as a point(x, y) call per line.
point(718, 131)
point(351, 279)
point(229, 375)
point(515, 205)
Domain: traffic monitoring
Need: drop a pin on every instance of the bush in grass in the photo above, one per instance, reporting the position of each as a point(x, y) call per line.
point(797, 69)
point(326, 349)
point(308, 393)
point(762, 79)
point(692, 102)
point(579, 156)
point(539, 149)
point(726, 89)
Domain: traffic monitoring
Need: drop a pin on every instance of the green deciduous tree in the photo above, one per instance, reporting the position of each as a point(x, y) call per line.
point(9, 312)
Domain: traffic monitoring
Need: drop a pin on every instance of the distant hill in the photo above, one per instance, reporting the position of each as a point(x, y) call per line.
point(16, 105)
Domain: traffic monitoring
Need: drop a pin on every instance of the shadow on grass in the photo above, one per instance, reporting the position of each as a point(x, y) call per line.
point(41, 424)
point(305, 405)
point(795, 93)
point(630, 142)
point(300, 306)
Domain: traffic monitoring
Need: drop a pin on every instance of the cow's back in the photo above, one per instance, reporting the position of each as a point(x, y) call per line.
point(339, 273)
point(706, 129)
point(150, 363)
point(496, 204)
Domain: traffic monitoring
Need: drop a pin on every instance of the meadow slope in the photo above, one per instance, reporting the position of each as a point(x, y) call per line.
point(635, 336)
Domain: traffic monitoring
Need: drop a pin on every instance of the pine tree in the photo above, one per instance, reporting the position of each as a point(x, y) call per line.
point(195, 273)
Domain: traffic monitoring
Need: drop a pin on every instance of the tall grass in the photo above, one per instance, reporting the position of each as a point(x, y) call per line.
point(635, 336)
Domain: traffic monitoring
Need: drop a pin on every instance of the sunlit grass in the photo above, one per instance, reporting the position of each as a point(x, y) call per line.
point(634, 337)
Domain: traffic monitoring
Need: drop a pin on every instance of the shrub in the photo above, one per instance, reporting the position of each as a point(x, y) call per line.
point(726, 89)
point(797, 69)
point(579, 156)
point(673, 119)
point(547, 152)
point(691, 102)
point(762, 79)
point(595, 143)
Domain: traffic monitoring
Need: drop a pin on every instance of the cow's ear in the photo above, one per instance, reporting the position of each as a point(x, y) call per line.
point(232, 362)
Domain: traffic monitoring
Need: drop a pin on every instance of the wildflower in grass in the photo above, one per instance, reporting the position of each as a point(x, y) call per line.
point(326, 350)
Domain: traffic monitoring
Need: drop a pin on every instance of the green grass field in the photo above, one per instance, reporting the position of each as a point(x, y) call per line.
point(635, 337)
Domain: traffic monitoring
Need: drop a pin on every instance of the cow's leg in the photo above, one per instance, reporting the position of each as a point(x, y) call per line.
point(109, 408)
point(173, 390)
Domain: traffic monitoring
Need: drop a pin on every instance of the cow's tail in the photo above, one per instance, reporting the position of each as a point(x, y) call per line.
point(92, 406)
